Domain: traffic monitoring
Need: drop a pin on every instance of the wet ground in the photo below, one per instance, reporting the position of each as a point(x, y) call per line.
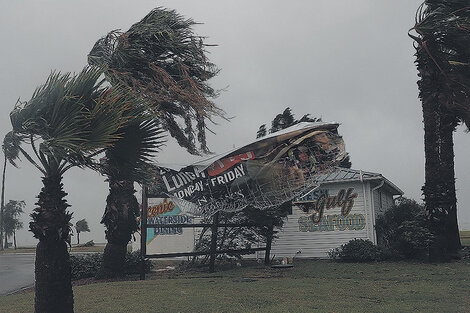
point(16, 272)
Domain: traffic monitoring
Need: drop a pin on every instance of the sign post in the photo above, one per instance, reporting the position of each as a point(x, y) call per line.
point(214, 228)
point(143, 232)
point(269, 240)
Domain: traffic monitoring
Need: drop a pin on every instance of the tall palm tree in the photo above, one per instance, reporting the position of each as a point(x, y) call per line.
point(160, 59)
point(443, 61)
point(9, 153)
point(67, 122)
point(128, 160)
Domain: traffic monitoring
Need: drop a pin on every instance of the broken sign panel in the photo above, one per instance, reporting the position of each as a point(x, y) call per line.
point(264, 173)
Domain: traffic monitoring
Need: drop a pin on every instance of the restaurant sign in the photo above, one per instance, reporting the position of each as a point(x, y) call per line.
point(164, 212)
point(316, 207)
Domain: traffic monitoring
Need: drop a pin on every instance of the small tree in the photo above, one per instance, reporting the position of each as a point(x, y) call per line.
point(11, 223)
point(404, 230)
point(235, 238)
point(81, 226)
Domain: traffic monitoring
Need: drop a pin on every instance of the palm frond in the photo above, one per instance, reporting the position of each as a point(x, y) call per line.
point(131, 155)
point(70, 117)
point(10, 147)
point(443, 33)
point(162, 60)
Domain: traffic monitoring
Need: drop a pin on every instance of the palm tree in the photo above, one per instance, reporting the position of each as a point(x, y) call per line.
point(160, 59)
point(125, 162)
point(3, 200)
point(13, 210)
point(283, 120)
point(67, 122)
point(9, 153)
point(443, 62)
point(81, 226)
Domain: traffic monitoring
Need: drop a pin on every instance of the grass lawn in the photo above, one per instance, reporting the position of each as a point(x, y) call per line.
point(465, 237)
point(311, 286)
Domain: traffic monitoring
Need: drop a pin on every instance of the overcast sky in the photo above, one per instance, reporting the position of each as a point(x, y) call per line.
point(345, 61)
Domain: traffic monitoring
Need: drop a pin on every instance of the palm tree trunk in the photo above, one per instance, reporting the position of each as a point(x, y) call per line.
point(78, 237)
point(14, 239)
point(52, 266)
point(2, 200)
point(429, 85)
point(6, 241)
point(120, 220)
point(448, 195)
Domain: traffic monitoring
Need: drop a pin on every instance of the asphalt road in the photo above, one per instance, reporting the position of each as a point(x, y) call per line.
point(16, 271)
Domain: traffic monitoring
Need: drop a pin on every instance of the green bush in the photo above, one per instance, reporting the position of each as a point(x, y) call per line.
point(85, 265)
point(357, 250)
point(88, 265)
point(132, 265)
point(403, 230)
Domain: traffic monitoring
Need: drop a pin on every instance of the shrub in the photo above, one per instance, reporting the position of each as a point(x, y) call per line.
point(357, 250)
point(85, 265)
point(132, 265)
point(88, 265)
point(403, 230)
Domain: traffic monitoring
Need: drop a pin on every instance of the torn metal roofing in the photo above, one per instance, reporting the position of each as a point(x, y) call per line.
point(204, 163)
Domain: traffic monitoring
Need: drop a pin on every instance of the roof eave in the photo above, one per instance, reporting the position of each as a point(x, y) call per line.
point(386, 181)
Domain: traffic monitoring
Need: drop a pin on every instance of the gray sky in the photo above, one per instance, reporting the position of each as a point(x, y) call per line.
point(345, 61)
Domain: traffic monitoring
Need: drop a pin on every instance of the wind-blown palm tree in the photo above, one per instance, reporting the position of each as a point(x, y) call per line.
point(80, 227)
point(12, 212)
point(9, 153)
point(160, 59)
point(67, 122)
point(128, 160)
point(443, 61)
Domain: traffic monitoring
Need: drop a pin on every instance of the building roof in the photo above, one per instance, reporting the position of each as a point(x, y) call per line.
point(348, 175)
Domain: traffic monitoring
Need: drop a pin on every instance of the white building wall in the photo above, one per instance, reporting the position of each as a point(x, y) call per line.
point(292, 238)
point(383, 200)
point(312, 241)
